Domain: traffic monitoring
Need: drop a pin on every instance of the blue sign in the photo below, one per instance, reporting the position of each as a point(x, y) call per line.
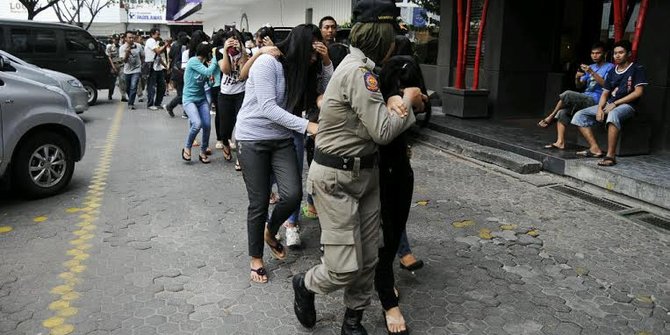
point(418, 17)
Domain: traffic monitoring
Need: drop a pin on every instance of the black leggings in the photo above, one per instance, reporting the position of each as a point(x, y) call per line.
point(227, 107)
point(396, 180)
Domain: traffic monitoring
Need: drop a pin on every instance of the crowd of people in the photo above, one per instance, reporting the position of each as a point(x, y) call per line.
point(344, 108)
point(277, 103)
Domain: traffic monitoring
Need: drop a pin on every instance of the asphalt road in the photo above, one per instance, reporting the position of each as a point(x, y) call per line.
point(143, 243)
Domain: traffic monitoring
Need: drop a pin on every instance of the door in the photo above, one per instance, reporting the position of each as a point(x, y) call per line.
point(84, 58)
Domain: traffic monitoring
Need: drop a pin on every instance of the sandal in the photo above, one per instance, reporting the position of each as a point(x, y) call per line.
point(227, 155)
point(185, 156)
point(416, 265)
point(238, 167)
point(589, 154)
point(196, 143)
point(208, 152)
point(261, 273)
point(607, 161)
point(204, 159)
point(553, 146)
point(277, 249)
point(309, 214)
point(402, 332)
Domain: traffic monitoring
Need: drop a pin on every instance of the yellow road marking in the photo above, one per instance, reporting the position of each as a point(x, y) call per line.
point(66, 294)
point(40, 219)
point(5, 229)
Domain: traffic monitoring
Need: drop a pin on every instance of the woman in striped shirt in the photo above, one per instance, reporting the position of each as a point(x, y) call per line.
point(264, 133)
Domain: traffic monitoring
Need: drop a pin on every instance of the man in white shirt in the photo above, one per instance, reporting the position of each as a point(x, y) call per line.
point(152, 48)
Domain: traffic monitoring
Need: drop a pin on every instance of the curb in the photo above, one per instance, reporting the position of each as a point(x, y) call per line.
point(511, 161)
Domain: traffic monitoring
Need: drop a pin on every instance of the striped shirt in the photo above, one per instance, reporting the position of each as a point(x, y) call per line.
point(263, 115)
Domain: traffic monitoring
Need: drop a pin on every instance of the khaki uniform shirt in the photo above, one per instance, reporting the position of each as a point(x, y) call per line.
point(354, 118)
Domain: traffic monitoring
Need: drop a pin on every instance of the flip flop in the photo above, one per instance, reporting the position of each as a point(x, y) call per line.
point(277, 249)
point(261, 273)
point(306, 213)
point(553, 146)
point(238, 167)
point(607, 161)
point(227, 155)
point(589, 154)
point(185, 156)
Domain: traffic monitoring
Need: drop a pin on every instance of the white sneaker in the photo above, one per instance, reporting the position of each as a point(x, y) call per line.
point(293, 237)
point(219, 145)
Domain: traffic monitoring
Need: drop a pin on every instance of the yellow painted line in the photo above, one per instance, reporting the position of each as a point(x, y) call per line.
point(61, 308)
point(5, 229)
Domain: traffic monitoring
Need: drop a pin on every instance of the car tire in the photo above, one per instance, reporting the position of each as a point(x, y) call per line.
point(92, 92)
point(28, 164)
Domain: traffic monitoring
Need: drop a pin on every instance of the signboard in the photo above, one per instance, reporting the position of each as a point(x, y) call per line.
point(142, 12)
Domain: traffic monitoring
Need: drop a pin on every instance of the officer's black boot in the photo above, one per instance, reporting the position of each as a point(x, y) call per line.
point(351, 325)
point(303, 303)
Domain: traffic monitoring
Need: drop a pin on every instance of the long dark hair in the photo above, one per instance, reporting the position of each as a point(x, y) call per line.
point(301, 76)
point(197, 38)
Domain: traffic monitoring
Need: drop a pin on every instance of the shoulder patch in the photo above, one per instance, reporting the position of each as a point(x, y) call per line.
point(371, 82)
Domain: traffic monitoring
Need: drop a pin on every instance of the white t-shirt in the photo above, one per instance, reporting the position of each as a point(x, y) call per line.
point(157, 62)
point(184, 58)
point(231, 84)
point(149, 47)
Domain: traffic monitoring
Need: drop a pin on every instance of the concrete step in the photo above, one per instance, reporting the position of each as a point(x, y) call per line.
point(502, 158)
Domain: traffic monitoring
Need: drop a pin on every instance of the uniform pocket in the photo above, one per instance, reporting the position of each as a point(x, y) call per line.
point(339, 250)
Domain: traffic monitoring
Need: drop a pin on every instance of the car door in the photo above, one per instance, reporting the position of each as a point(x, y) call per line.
point(83, 57)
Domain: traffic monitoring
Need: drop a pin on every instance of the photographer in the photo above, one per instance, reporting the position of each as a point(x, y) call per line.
point(132, 54)
point(152, 48)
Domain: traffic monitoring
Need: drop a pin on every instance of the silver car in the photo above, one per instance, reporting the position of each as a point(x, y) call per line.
point(41, 136)
point(66, 82)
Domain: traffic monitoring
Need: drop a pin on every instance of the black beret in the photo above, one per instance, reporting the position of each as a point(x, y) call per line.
point(379, 11)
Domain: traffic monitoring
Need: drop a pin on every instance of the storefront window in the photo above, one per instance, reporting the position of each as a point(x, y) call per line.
point(422, 18)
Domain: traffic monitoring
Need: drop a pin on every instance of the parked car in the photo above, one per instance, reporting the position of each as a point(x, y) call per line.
point(41, 136)
point(66, 82)
point(59, 47)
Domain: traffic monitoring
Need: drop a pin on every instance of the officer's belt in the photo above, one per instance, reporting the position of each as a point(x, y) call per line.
point(347, 163)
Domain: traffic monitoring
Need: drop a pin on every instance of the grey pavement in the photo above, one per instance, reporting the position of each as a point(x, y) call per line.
point(168, 252)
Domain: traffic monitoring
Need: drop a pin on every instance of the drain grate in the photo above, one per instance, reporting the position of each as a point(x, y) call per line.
point(646, 217)
point(601, 202)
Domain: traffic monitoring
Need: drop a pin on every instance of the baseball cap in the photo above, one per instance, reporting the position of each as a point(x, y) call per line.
point(377, 11)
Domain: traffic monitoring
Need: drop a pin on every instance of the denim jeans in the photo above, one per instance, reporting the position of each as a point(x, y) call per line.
point(199, 118)
point(260, 159)
point(403, 247)
point(155, 88)
point(586, 118)
point(131, 83)
point(299, 143)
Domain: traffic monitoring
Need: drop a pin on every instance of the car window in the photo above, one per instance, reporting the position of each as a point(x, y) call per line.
point(2, 39)
point(79, 41)
point(20, 40)
point(45, 40)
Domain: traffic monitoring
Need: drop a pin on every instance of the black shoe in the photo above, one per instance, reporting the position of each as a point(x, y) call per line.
point(169, 110)
point(303, 303)
point(124, 99)
point(351, 325)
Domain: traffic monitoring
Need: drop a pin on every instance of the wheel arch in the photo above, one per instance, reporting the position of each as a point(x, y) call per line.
point(64, 131)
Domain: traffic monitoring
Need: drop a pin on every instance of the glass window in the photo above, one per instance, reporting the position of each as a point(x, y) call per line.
point(45, 40)
point(422, 19)
point(79, 41)
point(20, 40)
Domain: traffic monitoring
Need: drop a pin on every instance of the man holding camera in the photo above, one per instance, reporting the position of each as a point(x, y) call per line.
point(152, 49)
point(132, 54)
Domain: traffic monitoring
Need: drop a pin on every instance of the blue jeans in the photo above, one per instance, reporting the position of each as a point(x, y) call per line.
point(131, 84)
point(199, 118)
point(403, 247)
point(586, 118)
point(299, 142)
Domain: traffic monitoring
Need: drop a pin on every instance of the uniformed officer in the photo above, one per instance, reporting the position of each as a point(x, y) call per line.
point(344, 177)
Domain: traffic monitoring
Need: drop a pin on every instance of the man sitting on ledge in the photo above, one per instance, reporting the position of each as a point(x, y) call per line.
point(623, 88)
point(592, 77)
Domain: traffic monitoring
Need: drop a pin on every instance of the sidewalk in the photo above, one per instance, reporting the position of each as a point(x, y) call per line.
point(645, 177)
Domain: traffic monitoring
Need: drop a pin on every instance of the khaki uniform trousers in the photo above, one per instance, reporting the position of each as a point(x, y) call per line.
point(349, 213)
